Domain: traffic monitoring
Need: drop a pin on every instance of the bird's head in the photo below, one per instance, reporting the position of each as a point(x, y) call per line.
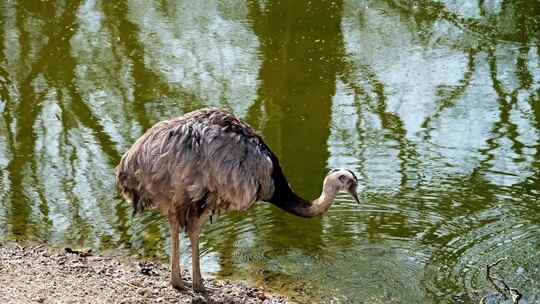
point(342, 180)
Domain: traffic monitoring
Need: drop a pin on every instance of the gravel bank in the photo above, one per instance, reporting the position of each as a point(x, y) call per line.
point(38, 274)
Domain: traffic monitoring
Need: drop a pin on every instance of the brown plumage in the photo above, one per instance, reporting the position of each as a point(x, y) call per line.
point(205, 161)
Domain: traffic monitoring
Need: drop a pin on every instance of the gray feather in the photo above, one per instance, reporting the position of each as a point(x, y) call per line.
point(204, 159)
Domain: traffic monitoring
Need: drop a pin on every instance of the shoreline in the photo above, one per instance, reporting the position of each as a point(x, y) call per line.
point(38, 273)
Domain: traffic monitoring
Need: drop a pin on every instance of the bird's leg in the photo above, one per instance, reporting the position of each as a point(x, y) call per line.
point(176, 276)
point(193, 233)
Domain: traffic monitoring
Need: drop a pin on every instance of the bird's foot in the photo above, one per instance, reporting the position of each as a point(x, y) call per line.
point(177, 284)
point(198, 286)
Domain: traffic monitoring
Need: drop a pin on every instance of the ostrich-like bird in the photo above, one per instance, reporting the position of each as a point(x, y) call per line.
point(205, 161)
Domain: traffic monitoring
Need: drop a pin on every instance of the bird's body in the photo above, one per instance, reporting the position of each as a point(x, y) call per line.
point(207, 159)
point(204, 161)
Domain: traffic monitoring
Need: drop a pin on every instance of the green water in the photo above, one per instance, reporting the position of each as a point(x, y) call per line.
point(434, 104)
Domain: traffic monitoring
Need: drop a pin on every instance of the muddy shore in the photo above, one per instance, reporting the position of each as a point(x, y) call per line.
point(40, 274)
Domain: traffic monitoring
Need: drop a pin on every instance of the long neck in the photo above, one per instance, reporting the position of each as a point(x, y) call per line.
point(285, 198)
point(292, 203)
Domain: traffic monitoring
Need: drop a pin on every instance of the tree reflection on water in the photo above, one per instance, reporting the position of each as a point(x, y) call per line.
point(435, 104)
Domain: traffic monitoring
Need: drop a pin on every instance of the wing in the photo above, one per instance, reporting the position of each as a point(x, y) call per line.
point(234, 162)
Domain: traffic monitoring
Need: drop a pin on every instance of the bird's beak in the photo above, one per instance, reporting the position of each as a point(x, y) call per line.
point(352, 191)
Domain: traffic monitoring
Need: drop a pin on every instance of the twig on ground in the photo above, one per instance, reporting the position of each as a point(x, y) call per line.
point(514, 293)
point(82, 254)
point(122, 282)
point(492, 279)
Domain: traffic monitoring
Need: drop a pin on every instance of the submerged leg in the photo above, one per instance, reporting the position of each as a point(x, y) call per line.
point(176, 276)
point(193, 233)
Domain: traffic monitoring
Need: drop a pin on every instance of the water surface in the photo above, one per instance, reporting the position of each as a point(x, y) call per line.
point(434, 104)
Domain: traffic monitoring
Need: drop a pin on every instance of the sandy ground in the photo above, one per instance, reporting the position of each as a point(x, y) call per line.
point(38, 274)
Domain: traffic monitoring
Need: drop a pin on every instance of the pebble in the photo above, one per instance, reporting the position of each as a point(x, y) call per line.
point(144, 291)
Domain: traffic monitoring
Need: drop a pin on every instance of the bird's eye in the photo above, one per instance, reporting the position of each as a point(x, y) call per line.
point(342, 178)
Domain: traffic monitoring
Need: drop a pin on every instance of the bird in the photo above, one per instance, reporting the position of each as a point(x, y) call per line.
point(207, 161)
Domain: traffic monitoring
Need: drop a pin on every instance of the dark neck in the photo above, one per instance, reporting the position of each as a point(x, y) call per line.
point(285, 198)
point(297, 205)
point(291, 202)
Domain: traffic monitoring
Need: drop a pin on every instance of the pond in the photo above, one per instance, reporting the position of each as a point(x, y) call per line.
point(435, 105)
